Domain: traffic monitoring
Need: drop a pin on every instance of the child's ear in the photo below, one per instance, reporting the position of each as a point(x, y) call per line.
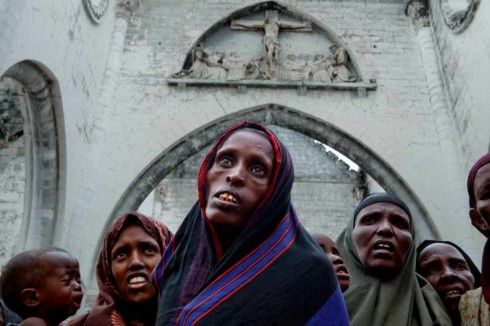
point(30, 297)
point(478, 222)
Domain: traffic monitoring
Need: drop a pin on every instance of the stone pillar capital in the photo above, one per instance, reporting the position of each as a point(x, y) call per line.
point(126, 8)
point(418, 12)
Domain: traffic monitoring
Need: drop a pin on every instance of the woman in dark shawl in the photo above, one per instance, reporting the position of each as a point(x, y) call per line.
point(396, 295)
point(449, 270)
point(228, 265)
point(125, 263)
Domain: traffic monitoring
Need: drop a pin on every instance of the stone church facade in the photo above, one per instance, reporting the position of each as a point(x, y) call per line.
point(104, 104)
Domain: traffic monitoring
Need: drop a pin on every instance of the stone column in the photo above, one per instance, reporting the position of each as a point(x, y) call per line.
point(96, 136)
point(124, 12)
point(455, 182)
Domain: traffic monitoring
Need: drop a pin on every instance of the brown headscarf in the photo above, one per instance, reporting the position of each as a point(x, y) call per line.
point(104, 312)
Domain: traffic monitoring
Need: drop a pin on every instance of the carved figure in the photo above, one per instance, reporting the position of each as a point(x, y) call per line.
point(455, 11)
point(253, 71)
point(235, 66)
point(271, 26)
point(295, 68)
point(319, 72)
point(215, 68)
point(338, 65)
point(207, 64)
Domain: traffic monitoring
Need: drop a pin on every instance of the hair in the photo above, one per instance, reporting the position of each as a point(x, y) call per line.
point(22, 271)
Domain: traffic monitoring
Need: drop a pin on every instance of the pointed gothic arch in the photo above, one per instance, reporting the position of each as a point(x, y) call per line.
point(269, 114)
point(45, 153)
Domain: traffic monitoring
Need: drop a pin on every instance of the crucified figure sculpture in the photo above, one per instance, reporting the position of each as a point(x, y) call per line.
point(271, 26)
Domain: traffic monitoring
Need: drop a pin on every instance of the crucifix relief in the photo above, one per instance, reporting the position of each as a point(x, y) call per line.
point(271, 26)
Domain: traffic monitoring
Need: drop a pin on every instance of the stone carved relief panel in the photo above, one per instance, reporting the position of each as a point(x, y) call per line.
point(458, 13)
point(96, 8)
point(269, 45)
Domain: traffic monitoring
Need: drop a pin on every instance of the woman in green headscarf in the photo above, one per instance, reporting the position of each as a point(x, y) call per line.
point(378, 247)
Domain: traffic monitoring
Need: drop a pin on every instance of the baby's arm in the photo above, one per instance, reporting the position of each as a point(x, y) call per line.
point(34, 321)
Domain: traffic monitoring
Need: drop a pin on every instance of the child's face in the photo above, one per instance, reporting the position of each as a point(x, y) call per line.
point(60, 293)
point(329, 247)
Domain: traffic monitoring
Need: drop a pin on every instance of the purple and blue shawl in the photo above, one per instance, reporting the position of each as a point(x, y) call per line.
point(273, 274)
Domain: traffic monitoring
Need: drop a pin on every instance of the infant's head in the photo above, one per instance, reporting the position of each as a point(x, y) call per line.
point(42, 283)
point(330, 249)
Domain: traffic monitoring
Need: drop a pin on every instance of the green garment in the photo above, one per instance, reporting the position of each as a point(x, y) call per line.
point(407, 299)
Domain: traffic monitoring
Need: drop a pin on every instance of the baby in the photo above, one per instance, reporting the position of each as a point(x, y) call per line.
point(329, 247)
point(42, 286)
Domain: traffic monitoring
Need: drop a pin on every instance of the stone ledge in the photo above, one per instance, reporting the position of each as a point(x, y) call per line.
point(300, 86)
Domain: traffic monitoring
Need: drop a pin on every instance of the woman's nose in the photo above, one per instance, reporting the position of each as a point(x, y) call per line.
point(236, 176)
point(136, 261)
point(448, 274)
point(385, 227)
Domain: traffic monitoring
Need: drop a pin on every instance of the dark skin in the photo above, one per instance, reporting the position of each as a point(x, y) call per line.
point(59, 294)
point(133, 258)
point(382, 238)
point(480, 215)
point(333, 254)
point(237, 182)
point(449, 274)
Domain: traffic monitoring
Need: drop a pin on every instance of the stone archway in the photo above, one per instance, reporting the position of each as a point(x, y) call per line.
point(45, 153)
point(270, 114)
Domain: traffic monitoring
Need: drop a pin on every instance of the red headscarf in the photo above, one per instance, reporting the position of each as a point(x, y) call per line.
point(104, 313)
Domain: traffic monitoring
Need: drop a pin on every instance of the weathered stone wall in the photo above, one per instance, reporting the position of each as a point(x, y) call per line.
point(60, 36)
point(463, 59)
point(324, 190)
point(12, 181)
point(395, 121)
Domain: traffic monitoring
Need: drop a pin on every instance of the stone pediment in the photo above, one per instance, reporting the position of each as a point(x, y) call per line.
point(271, 45)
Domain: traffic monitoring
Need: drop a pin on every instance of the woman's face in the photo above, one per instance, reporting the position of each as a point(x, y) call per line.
point(448, 272)
point(382, 238)
point(133, 258)
point(239, 178)
point(481, 214)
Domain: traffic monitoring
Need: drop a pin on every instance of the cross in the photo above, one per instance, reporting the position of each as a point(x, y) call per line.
point(271, 26)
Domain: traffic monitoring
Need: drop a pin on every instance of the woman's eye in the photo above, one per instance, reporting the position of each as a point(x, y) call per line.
point(460, 266)
point(485, 195)
point(258, 170)
point(225, 161)
point(120, 255)
point(368, 220)
point(430, 270)
point(400, 223)
point(150, 250)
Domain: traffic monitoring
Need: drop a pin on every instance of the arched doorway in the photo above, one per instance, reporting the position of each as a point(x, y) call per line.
point(43, 138)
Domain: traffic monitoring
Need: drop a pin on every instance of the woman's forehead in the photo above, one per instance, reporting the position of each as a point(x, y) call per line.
point(382, 207)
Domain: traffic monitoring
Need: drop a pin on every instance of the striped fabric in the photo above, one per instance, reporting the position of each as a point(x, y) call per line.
point(273, 274)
